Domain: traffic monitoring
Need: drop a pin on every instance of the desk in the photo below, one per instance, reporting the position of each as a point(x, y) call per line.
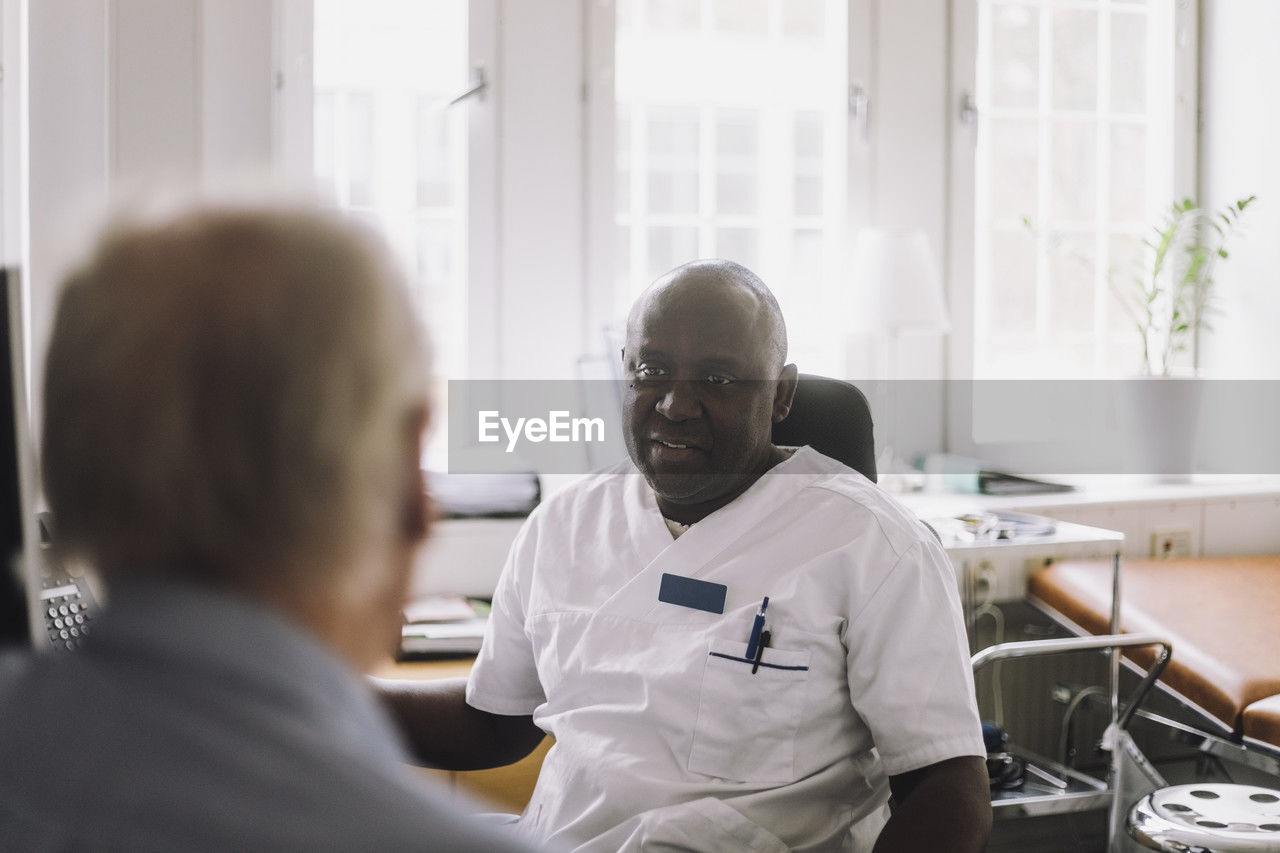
point(1004, 565)
point(501, 788)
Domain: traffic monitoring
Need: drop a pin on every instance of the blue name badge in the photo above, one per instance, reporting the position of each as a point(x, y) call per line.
point(691, 592)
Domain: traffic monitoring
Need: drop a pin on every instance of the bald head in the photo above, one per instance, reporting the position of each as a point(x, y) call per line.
point(232, 394)
point(704, 359)
point(713, 287)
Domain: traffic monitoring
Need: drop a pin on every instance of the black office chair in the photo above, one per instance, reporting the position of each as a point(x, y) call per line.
point(831, 416)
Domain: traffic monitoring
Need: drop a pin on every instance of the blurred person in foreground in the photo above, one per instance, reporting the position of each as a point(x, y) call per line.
point(235, 399)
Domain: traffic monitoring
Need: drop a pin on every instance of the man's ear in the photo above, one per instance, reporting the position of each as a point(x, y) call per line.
point(784, 392)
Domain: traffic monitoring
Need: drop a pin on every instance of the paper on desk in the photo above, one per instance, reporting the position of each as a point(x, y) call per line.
point(438, 608)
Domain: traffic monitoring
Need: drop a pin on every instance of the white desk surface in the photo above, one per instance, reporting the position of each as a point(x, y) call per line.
point(1094, 490)
point(1064, 533)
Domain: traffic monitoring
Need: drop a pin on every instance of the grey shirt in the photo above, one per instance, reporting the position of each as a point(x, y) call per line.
point(193, 720)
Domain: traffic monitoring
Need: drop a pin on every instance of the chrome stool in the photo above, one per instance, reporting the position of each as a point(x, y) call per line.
point(1209, 818)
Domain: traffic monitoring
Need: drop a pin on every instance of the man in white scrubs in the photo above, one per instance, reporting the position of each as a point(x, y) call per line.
point(736, 646)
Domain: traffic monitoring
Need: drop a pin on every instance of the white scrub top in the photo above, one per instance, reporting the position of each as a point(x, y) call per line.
point(665, 737)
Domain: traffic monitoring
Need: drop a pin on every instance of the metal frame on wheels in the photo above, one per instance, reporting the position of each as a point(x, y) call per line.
point(1070, 790)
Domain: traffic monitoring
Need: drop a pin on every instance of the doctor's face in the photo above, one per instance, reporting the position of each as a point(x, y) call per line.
point(701, 394)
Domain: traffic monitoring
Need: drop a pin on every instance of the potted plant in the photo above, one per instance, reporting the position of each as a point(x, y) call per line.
point(1171, 300)
point(1170, 303)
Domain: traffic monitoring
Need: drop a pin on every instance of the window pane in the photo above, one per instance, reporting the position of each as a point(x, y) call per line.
point(437, 260)
point(806, 250)
point(1013, 145)
point(737, 142)
point(359, 151)
point(1123, 342)
point(1015, 56)
point(325, 151)
point(1128, 62)
point(622, 254)
point(624, 14)
point(1075, 59)
point(1128, 173)
point(739, 244)
point(1071, 287)
point(808, 187)
point(804, 18)
point(737, 161)
point(383, 71)
point(673, 14)
point(669, 248)
point(1052, 313)
point(438, 148)
point(1013, 284)
point(673, 160)
point(750, 17)
point(1074, 171)
point(622, 177)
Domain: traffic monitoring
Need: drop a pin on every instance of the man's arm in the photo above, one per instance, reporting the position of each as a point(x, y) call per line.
point(944, 806)
point(443, 731)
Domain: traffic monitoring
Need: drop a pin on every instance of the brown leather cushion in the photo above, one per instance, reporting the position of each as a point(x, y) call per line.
point(1222, 615)
point(1262, 720)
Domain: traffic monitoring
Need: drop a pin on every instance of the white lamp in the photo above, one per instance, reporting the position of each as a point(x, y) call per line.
point(898, 290)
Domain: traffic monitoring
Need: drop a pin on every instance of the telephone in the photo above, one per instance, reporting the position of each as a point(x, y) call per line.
point(69, 609)
point(66, 602)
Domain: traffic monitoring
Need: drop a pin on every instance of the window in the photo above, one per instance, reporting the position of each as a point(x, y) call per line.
point(1073, 164)
point(731, 142)
point(389, 146)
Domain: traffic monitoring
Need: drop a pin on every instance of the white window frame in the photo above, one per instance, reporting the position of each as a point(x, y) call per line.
point(855, 166)
point(292, 121)
point(1179, 42)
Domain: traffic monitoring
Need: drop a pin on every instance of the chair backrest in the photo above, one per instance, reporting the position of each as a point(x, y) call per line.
point(831, 416)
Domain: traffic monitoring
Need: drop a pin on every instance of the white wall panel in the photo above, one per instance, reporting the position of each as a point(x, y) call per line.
point(67, 74)
point(541, 150)
point(1242, 527)
point(235, 86)
point(1239, 128)
point(154, 121)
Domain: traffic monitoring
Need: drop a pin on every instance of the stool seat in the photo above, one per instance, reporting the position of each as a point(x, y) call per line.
point(1213, 818)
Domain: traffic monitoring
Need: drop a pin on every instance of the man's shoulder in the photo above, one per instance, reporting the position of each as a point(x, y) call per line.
point(281, 784)
point(838, 493)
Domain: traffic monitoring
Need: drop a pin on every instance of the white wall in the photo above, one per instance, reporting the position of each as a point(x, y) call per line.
point(130, 96)
point(541, 281)
point(13, 149)
point(911, 122)
point(68, 151)
point(1240, 127)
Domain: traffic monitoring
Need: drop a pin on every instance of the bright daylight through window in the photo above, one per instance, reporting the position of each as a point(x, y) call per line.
point(390, 148)
point(1073, 167)
point(731, 142)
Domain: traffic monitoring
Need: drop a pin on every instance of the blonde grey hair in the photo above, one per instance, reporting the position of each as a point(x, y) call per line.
point(230, 391)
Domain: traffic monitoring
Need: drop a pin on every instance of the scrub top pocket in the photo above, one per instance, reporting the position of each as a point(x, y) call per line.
point(747, 722)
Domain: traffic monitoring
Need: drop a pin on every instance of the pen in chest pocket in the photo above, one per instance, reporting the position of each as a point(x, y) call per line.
point(764, 644)
point(757, 630)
